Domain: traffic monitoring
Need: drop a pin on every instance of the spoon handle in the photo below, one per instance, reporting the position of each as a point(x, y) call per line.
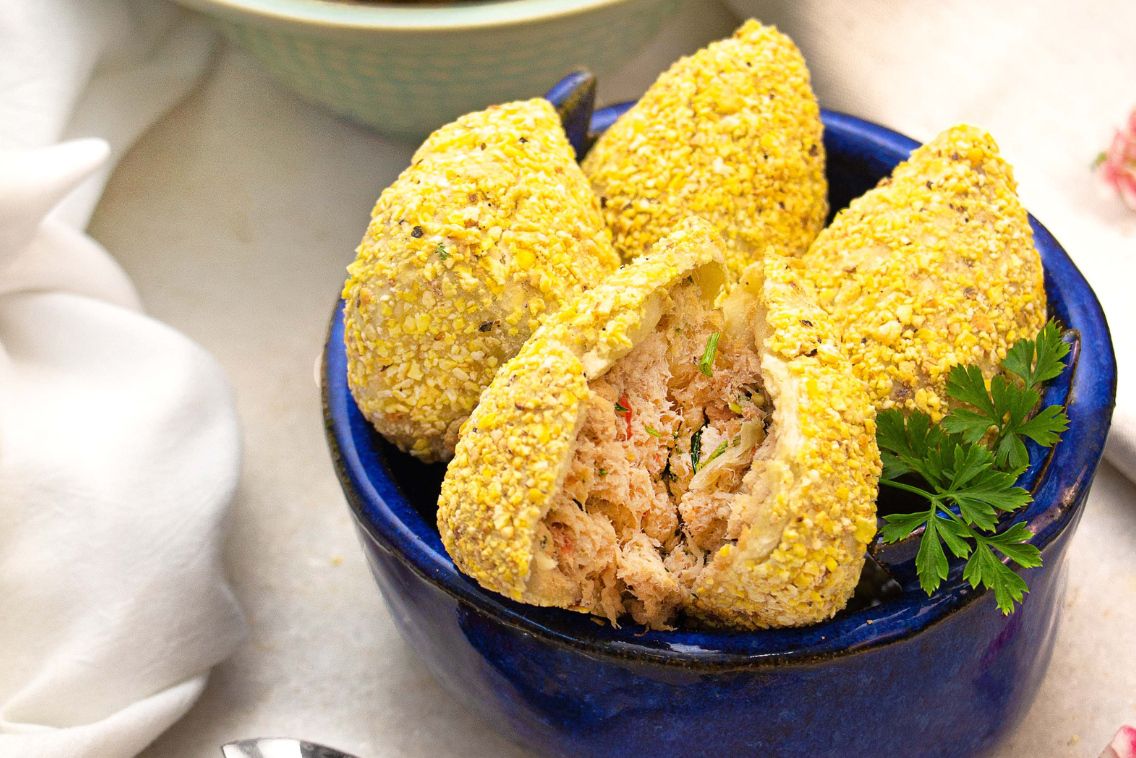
point(279, 747)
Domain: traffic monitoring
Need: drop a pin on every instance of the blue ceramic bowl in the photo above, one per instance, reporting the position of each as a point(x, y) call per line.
point(911, 675)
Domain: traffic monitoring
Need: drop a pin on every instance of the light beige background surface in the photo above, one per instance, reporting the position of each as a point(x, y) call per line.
point(236, 217)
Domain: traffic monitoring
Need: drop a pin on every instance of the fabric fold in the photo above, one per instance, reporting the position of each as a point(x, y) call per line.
point(119, 442)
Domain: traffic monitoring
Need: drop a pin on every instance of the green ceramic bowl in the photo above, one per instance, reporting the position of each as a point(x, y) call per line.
point(406, 68)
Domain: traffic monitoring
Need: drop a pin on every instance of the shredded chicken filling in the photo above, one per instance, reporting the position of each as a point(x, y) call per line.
point(662, 456)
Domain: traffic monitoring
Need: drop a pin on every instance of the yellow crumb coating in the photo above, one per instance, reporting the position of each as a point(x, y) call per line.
point(934, 267)
point(808, 509)
point(799, 559)
point(731, 134)
point(491, 228)
point(514, 451)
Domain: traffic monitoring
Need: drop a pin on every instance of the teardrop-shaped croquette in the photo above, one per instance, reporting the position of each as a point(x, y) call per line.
point(934, 267)
point(731, 134)
point(492, 228)
point(658, 447)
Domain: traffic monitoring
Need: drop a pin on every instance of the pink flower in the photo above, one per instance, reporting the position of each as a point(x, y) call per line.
point(1123, 745)
point(1116, 167)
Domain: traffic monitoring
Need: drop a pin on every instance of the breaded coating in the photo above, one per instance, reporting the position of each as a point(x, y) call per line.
point(731, 134)
point(811, 519)
point(766, 526)
point(492, 228)
point(935, 267)
point(515, 449)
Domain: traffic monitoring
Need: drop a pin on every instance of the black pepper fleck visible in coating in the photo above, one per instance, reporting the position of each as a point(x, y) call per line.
point(416, 232)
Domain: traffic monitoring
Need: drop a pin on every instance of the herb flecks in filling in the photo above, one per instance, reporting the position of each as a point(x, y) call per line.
point(654, 505)
point(706, 364)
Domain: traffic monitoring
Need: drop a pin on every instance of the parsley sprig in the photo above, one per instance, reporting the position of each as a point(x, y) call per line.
point(1004, 409)
point(965, 468)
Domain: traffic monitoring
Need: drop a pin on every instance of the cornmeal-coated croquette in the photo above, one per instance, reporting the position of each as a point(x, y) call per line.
point(492, 228)
point(731, 134)
point(660, 447)
point(934, 267)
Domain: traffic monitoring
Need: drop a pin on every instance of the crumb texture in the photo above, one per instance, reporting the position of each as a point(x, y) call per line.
point(809, 510)
point(514, 452)
point(492, 228)
point(632, 475)
point(735, 484)
point(933, 268)
point(731, 134)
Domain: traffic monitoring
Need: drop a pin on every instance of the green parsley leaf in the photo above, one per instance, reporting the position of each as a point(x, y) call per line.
point(967, 465)
point(955, 535)
point(1015, 404)
point(1012, 452)
point(972, 425)
point(910, 445)
point(910, 437)
point(977, 512)
point(1045, 427)
point(707, 361)
point(1014, 544)
point(923, 436)
point(969, 461)
point(1003, 410)
point(986, 570)
point(893, 466)
point(931, 561)
point(441, 251)
point(994, 488)
point(1039, 360)
point(898, 526)
point(966, 383)
point(620, 408)
point(963, 474)
point(891, 432)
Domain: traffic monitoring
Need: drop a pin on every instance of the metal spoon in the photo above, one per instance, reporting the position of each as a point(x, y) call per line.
point(279, 747)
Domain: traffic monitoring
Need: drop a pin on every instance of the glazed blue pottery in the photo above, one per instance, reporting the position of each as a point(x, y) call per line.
point(896, 674)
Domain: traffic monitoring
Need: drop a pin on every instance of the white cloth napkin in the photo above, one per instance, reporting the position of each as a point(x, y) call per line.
point(1051, 80)
point(119, 445)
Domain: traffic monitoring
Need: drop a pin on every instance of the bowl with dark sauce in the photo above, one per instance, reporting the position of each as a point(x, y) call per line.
point(897, 672)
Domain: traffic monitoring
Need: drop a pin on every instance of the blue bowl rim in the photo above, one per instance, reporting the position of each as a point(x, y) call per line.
point(1064, 480)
